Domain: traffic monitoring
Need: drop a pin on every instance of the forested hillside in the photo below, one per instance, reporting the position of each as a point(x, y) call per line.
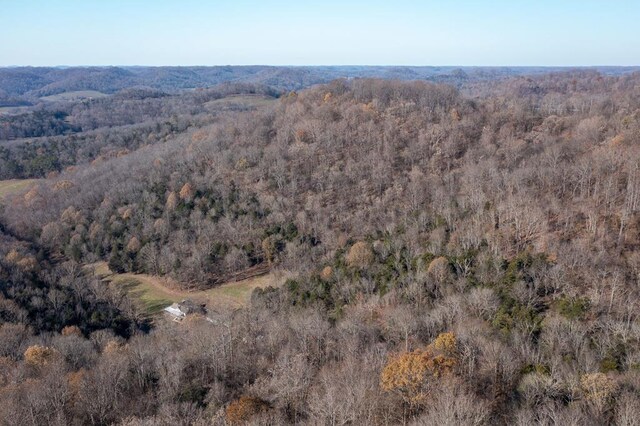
point(458, 254)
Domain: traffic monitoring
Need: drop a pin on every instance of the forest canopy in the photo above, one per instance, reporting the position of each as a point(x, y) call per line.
point(456, 251)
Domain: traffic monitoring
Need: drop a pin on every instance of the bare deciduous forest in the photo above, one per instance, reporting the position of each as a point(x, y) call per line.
point(458, 251)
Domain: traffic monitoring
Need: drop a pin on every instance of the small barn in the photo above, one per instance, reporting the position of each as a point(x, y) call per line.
point(175, 312)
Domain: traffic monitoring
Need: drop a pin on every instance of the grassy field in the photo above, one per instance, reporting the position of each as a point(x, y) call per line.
point(155, 294)
point(152, 298)
point(13, 110)
point(239, 293)
point(240, 102)
point(74, 96)
point(8, 187)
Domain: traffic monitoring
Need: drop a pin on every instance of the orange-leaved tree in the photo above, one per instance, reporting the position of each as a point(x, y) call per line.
point(410, 373)
point(359, 255)
point(38, 356)
point(244, 408)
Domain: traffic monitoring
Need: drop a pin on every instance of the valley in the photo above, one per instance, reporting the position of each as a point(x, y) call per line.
point(156, 293)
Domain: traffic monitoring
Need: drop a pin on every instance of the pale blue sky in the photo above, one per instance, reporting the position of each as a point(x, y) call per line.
point(371, 32)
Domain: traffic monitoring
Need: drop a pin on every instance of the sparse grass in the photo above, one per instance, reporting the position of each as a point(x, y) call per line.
point(74, 96)
point(8, 187)
point(154, 295)
point(152, 298)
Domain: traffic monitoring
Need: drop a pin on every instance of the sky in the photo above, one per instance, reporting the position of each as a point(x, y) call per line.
point(330, 32)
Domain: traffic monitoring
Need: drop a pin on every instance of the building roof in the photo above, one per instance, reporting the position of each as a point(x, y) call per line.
point(174, 310)
point(190, 307)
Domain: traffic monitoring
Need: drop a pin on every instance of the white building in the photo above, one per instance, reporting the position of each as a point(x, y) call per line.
point(175, 311)
point(178, 311)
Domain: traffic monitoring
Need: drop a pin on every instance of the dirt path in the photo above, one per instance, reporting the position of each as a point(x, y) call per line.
point(154, 293)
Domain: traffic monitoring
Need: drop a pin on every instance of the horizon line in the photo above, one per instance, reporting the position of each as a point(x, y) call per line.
point(315, 66)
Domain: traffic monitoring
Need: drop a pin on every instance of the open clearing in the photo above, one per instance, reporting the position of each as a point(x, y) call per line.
point(74, 96)
point(235, 102)
point(156, 293)
point(10, 110)
point(11, 186)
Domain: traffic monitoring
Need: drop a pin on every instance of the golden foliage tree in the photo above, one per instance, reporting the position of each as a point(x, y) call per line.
point(126, 213)
point(95, 230)
point(439, 268)
point(28, 264)
point(13, 257)
point(406, 373)
point(160, 226)
point(63, 185)
point(360, 255)
point(112, 347)
point(446, 343)
point(25, 263)
point(243, 409)
point(187, 192)
point(409, 372)
point(71, 216)
point(133, 245)
point(32, 196)
point(39, 356)
point(71, 330)
point(327, 272)
point(172, 201)
point(598, 389)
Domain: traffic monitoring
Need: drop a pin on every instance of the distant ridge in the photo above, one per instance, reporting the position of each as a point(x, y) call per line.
point(34, 82)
